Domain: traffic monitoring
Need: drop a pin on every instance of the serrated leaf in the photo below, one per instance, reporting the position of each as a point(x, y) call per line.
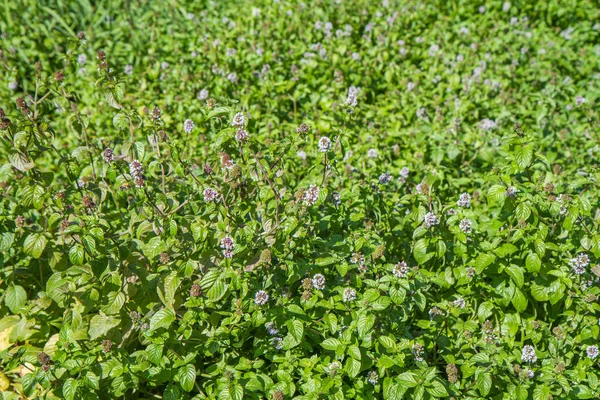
point(76, 254)
point(114, 303)
point(15, 298)
point(187, 377)
point(331, 344)
point(35, 244)
point(162, 319)
point(296, 329)
point(101, 324)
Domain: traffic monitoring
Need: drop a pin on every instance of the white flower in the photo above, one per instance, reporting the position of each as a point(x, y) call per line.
point(400, 269)
point(352, 93)
point(81, 59)
point(465, 225)
point(203, 94)
point(430, 220)
point(311, 195)
point(385, 178)
point(210, 195)
point(464, 200)
point(511, 191)
point(238, 120)
point(301, 154)
point(579, 263)
point(261, 298)
point(460, 303)
point(372, 153)
point(506, 6)
point(188, 125)
point(318, 281)
point(128, 69)
point(348, 295)
point(404, 172)
point(528, 354)
point(372, 377)
point(487, 124)
point(277, 343)
point(324, 144)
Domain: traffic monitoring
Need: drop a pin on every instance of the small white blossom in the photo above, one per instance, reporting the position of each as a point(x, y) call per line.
point(464, 200)
point(324, 144)
point(318, 281)
point(400, 269)
point(465, 225)
point(261, 298)
point(348, 295)
point(430, 220)
point(528, 354)
point(188, 125)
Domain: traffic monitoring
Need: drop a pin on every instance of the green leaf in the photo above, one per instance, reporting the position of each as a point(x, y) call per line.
point(76, 254)
point(354, 352)
point(115, 302)
point(437, 390)
point(519, 301)
point(20, 162)
point(28, 382)
point(392, 390)
point(365, 324)
point(496, 194)
point(101, 324)
point(485, 310)
point(35, 244)
point(516, 275)
point(155, 352)
point(352, 367)
point(187, 377)
point(387, 342)
point(15, 298)
point(162, 319)
point(69, 389)
point(523, 155)
point(296, 329)
point(533, 262)
point(92, 380)
point(408, 379)
point(331, 344)
point(483, 382)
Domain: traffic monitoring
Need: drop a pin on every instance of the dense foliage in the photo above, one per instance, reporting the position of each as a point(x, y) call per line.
point(277, 200)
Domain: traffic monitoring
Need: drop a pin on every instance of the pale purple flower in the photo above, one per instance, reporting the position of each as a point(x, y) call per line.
point(311, 195)
point(579, 263)
point(203, 94)
point(465, 225)
point(459, 302)
point(261, 298)
point(238, 120)
point(430, 220)
point(128, 69)
point(210, 195)
point(592, 352)
point(136, 169)
point(385, 178)
point(372, 153)
point(324, 144)
point(188, 125)
point(372, 377)
point(348, 295)
point(318, 281)
point(528, 354)
point(400, 269)
point(464, 200)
